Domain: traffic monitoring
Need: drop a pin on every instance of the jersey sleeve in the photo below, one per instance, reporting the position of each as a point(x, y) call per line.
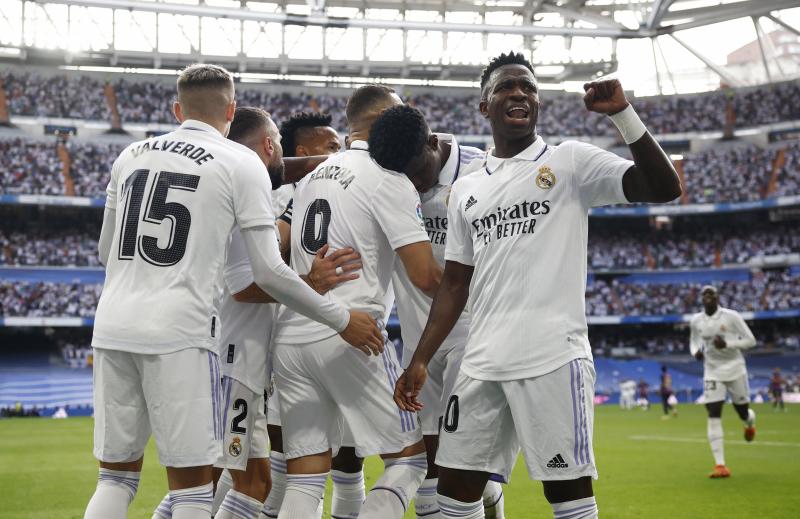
point(397, 209)
point(599, 174)
point(252, 194)
point(287, 214)
point(238, 273)
point(695, 341)
point(744, 338)
point(113, 184)
point(458, 246)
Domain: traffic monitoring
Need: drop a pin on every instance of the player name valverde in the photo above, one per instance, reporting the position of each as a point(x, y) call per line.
point(196, 153)
point(500, 220)
point(332, 172)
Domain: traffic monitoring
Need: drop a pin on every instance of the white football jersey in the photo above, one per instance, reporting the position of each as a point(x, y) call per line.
point(177, 198)
point(413, 306)
point(724, 364)
point(244, 346)
point(522, 223)
point(350, 201)
point(281, 198)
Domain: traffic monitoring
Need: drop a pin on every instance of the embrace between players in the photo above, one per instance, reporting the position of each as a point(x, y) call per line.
point(484, 254)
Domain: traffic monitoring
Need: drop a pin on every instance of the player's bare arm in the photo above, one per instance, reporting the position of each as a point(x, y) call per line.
point(298, 167)
point(448, 303)
point(326, 273)
point(653, 177)
point(421, 266)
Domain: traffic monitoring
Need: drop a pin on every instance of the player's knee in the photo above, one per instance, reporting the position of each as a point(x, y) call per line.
point(568, 490)
point(347, 461)
point(462, 485)
point(431, 447)
point(275, 438)
point(714, 409)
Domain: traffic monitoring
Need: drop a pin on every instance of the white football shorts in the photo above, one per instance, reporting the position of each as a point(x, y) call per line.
point(323, 382)
point(442, 374)
point(245, 434)
point(715, 390)
point(176, 396)
point(549, 417)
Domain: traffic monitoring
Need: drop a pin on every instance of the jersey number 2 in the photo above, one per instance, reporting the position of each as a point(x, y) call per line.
point(156, 211)
point(315, 225)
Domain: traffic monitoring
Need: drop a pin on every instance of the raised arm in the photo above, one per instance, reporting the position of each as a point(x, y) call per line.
point(448, 303)
point(298, 167)
point(653, 177)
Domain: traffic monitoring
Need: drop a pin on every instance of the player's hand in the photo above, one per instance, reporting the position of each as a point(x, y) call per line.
point(324, 276)
point(719, 343)
point(605, 97)
point(362, 333)
point(699, 355)
point(409, 385)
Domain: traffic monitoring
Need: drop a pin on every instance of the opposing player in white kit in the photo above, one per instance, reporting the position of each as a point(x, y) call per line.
point(516, 247)
point(717, 337)
point(156, 327)
point(401, 140)
point(308, 134)
point(350, 201)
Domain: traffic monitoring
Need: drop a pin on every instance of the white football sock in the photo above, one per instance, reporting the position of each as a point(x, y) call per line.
point(751, 417)
point(192, 503)
point(272, 506)
point(493, 500)
point(451, 509)
point(224, 484)
point(715, 439)
point(425, 503)
point(585, 508)
point(392, 493)
point(238, 506)
point(164, 509)
point(114, 493)
point(303, 495)
point(348, 494)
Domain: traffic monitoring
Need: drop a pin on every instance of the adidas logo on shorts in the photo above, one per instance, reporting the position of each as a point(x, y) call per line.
point(557, 463)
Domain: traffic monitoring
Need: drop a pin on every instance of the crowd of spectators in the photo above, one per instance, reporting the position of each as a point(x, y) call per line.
point(91, 166)
point(30, 166)
point(81, 97)
point(788, 182)
point(671, 343)
point(24, 299)
point(45, 248)
point(735, 174)
point(695, 248)
point(768, 290)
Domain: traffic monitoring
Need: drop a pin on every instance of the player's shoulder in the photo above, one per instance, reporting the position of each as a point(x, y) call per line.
point(729, 312)
point(695, 318)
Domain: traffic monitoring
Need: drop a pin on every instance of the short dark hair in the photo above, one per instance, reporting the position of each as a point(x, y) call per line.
point(512, 58)
point(247, 120)
point(201, 75)
point(364, 98)
point(297, 122)
point(397, 137)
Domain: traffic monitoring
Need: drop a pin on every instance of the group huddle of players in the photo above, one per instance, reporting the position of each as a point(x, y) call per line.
point(210, 302)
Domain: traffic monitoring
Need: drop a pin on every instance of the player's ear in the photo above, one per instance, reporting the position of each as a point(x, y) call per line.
point(483, 106)
point(231, 111)
point(176, 109)
point(301, 151)
point(433, 141)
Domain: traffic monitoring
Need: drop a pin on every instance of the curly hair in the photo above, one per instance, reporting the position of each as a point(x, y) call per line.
point(397, 136)
point(298, 122)
point(512, 58)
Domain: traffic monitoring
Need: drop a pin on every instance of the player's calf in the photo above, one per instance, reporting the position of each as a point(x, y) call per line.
point(573, 499)
point(401, 478)
point(348, 484)
point(114, 493)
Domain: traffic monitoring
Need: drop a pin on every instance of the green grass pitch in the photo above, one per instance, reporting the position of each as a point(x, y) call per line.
point(649, 468)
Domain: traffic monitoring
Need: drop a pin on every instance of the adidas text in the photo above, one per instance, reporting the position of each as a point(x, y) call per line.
point(557, 463)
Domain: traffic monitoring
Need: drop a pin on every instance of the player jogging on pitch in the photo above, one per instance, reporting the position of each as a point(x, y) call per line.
point(718, 336)
point(516, 244)
point(172, 203)
point(401, 140)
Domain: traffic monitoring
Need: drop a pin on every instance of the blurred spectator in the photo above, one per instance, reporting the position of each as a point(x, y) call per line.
point(23, 299)
point(30, 166)
point(41, 248)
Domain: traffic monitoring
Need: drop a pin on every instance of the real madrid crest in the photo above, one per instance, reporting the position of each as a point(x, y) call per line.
point(235, 448)
point(545, 179)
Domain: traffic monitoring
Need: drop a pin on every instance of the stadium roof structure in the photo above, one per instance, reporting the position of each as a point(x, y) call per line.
point(437, 42)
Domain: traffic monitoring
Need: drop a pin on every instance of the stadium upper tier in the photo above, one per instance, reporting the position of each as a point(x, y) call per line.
point(609, 249)
point(742, 173)
point(77, 96)
point(763, 295)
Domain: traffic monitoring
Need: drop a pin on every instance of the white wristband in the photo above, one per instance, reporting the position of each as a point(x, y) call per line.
point(629, 125)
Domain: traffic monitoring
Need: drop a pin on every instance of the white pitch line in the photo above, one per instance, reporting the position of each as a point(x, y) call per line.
point(678, 439)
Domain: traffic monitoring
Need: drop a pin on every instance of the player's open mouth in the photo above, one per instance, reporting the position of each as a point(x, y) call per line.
point(517, 112)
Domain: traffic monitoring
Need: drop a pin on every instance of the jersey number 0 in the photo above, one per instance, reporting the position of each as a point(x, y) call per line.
point(315, 225)
point(156, 210)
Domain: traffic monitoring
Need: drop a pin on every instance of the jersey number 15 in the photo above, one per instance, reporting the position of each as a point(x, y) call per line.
point(156, 210)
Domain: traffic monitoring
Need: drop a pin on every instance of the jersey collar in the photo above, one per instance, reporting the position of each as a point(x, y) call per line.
point(715, 315)
point(452, 165)
point(532, 153)
point(359, 145)
point(199, 126)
